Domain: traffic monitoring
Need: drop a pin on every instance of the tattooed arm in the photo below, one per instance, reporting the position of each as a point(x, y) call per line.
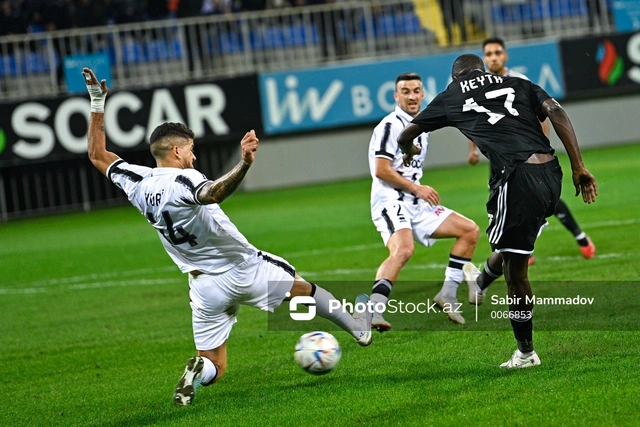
point(218, 190)
point(97, 137)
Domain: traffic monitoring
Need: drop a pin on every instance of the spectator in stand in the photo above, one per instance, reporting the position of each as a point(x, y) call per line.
point(172, 5)
point(453, 16)
point(11, 22)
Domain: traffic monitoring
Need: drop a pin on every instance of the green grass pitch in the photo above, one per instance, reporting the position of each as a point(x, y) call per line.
point(95, 322)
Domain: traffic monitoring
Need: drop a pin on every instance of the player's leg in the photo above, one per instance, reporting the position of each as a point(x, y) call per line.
point(213, 316)
point(394, 224)
point(493, 265)
point(274, 280)
point(491, 271)
point(520, 310)
point(400, 246)
point(563, 213)
point(330, 308)
point(204, 369)
point(466, 232)
point(527, 199)
point(215, 363)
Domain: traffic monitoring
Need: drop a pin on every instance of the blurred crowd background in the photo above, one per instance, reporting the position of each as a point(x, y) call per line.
point(33, 16)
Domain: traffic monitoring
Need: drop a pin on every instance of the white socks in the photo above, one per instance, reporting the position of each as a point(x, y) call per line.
point(209, 372)
point(338, 315)
point(378, 298)
point(452, 279)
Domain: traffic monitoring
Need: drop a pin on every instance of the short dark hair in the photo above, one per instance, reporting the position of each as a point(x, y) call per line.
point(162, 137)
point(408, 76)
point(170, 129)
point(496, 40)
point(465, 63)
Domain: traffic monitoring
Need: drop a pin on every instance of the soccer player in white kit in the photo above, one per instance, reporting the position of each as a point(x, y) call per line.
point(224, 269)
point(403, 210)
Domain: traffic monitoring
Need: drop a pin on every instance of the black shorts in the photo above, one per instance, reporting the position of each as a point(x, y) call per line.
point(518, 208)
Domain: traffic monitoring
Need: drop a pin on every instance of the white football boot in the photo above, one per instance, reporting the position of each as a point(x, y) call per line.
point(471, 273)
point(363, 334)
point(379, 323)
point(520, 361)
point(451, 307)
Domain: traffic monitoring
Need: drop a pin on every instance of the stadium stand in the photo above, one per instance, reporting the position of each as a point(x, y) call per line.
point(246, 42)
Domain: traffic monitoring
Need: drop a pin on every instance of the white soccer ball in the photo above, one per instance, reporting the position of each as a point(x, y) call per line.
point(317, 352)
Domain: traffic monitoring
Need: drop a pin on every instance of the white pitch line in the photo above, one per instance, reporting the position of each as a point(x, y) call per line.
point(101, 276)
point(78, 286)
point(322, 251)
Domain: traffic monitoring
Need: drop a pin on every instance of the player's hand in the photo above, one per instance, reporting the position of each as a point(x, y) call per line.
point(473, 157)
point(97, 92)
point(416, 148)
point(249, 146)
point(428, 194)
point(585, 183)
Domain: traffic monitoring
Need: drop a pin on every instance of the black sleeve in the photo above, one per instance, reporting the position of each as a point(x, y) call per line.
point(537, 96)
point(433, 117)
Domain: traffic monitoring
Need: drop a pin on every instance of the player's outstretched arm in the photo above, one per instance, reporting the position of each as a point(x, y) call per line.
point(405, 142)
point(96, 136)
point(473, 153)
point(584, 182)
point(218, 190)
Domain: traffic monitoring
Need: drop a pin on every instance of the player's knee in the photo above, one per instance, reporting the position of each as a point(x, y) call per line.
point(474, 232)
point(402, 254)
point(470, 232)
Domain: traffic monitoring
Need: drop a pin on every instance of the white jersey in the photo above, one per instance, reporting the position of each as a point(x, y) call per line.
point(512, 73)
point(196, 237)
point(384, 144)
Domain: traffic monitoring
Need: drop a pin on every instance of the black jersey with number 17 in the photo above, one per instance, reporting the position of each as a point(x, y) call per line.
point(499, 114)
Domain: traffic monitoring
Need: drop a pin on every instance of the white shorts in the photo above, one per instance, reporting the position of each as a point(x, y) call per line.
point(261, 281)
point(422, 218)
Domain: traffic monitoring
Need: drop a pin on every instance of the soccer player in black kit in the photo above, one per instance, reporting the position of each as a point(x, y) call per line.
point(502, 116)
